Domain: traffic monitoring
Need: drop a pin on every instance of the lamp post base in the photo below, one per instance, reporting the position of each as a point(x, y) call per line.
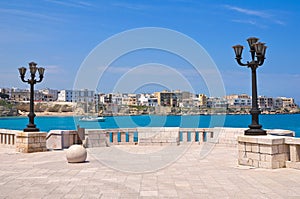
point(28, 129)
point(255, 131)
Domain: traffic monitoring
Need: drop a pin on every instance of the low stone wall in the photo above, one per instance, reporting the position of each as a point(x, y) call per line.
point(158, 136)
point(229, 136)
point(62, 139)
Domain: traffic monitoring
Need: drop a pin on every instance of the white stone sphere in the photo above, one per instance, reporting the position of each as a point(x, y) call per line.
point(76, 154)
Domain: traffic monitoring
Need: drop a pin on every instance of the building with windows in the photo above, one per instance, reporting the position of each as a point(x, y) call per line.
point(24, 95)
point(83, 95)
point(217, 102)
point(239, 101)
point(265, 103)
point(49, 95)
point(166, 98)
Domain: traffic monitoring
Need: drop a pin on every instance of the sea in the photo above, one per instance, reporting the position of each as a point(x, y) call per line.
point(45, 123)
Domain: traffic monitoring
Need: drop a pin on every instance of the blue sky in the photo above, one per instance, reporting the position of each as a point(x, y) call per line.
point(59, 35)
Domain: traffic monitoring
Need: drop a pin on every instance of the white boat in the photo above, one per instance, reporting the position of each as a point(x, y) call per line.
point(92, 119)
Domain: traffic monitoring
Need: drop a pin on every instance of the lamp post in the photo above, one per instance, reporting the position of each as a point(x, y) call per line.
point(31, 127)
point(257, 50)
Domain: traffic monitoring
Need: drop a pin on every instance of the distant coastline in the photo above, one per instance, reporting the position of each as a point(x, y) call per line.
point(79, 109)
point(66, 114)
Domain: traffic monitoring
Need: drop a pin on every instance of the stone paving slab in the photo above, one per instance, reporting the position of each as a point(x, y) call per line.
point(217, 175)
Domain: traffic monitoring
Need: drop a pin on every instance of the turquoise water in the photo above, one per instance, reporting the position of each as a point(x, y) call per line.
point(290, 122)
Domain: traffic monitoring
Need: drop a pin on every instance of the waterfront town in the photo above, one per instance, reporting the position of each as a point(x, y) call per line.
point(15, 101)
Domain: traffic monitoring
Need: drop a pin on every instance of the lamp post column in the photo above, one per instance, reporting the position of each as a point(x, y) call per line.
point(257, 50)
point(254, 127)
point(31, 127)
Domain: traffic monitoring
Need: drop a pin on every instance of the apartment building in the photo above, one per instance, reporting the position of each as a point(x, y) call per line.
point(239, 101)
point(166, 98)
point(83, 95)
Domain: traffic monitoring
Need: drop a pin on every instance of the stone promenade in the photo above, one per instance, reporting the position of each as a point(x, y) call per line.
point(190, 175)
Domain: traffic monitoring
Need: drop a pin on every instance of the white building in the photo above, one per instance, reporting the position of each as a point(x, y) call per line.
point(83, 95)
point(238, 101)
point(216, 102)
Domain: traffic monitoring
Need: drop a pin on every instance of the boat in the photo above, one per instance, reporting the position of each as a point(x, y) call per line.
point(92, 119)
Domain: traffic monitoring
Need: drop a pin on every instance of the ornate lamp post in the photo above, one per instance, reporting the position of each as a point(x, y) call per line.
point(257, 50)
point(31, 127)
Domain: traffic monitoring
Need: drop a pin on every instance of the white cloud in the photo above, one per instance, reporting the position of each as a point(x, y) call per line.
point(77, 4)
point(249, 12)
point(266, 15)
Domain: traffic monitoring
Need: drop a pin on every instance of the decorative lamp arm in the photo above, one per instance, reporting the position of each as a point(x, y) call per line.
point(238, 59)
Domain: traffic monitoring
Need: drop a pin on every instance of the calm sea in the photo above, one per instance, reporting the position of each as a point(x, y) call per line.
point(290, 122)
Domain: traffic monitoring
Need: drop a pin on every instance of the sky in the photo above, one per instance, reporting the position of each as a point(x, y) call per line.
point(60, 36)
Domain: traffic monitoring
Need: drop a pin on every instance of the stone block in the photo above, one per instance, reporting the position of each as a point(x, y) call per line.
point(291, 140)
point(245, 161)
point(270, 140)
point(247, 139)
point(255, 163)
point(255, 148)
point(268, 149)
point(294, 165)
point(241, 146)
point(248, 147)
point(265, 165)
point(253, 156)
point(283, 148)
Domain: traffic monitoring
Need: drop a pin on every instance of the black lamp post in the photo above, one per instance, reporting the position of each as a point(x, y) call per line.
point(258, 51)
point(31, 127)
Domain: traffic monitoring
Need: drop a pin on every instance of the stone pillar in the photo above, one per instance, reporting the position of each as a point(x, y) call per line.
point(268, 152)
point(115, 137)
point(193, 136)
point(200, 136)
point(123, 137)
point(184, 136)
point(28, 142)
point(131, 137)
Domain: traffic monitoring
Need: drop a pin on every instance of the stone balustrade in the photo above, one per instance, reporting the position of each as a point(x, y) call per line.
point(7, 138)
point(25, 142)
point(294, 147)
point(147, 136)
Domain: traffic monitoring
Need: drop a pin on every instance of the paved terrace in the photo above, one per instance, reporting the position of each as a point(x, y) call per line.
point(48, 175)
